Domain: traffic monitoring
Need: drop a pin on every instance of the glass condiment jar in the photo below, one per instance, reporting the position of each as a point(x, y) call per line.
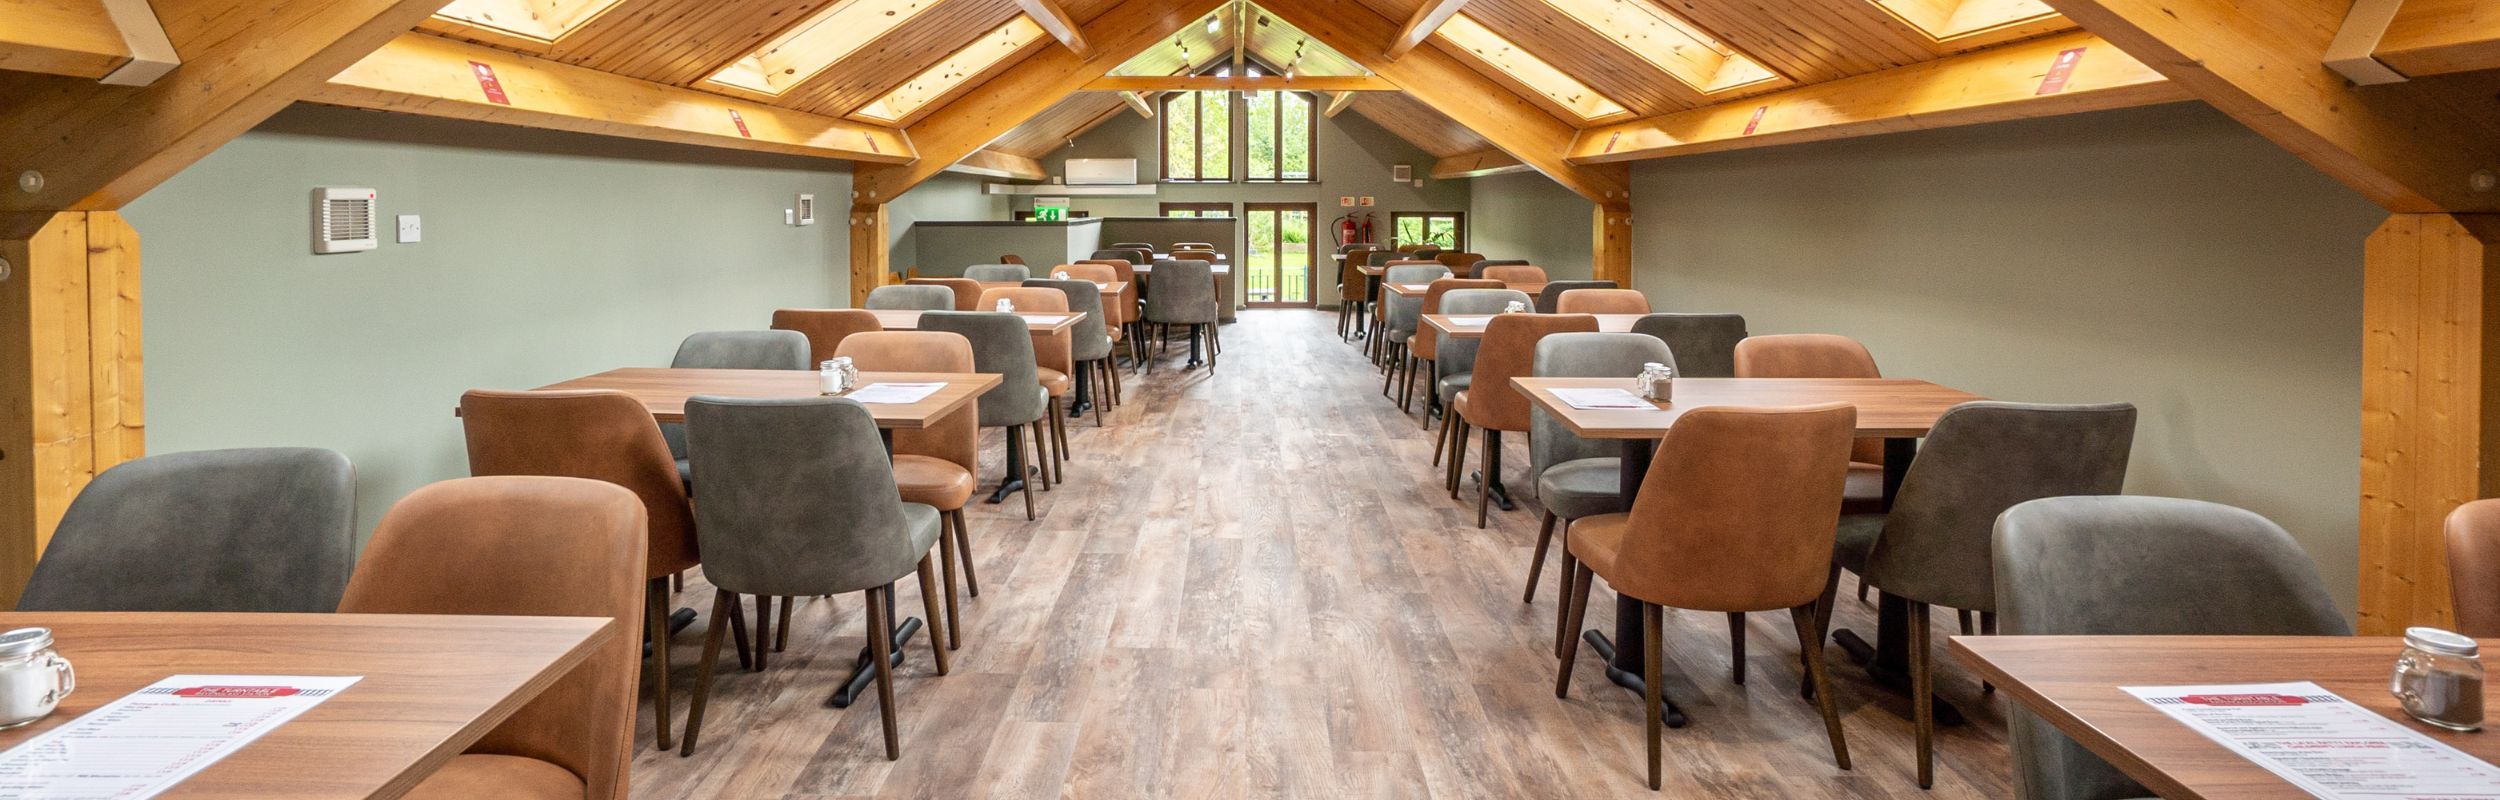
point(1006, 306)
point(1657, 382)
point(837, 376)
point(2439, 679)
point(1059, 276)
point(33, 678)
point(1515, 307)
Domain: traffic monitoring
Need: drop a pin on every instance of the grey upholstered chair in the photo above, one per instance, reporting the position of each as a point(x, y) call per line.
point(1453, 358)
point(1704, 344)
point(731, 350)
point(799, 501)
point(913, 297)
point(260, 529)
point(1183, 293)
point(1002, 346)
point(1089, 346)
point(1404, 312)
point(1578, 478)
point(1132, 245)
point(1932, 548)
point(1552, 293)
point(2154, 566)
point(1133, 255)
point(996, 273)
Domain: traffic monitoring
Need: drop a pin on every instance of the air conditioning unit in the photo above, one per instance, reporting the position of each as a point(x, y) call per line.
point(1102, 171)
point(343, 220)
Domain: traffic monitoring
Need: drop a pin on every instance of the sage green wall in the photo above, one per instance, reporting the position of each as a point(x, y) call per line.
point(947, 197)
point(1529, 216)
point(545, 256)
point(1355, 158)
point(2162, 256)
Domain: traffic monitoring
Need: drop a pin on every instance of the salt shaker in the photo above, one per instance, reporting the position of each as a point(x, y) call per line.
point(33, 678)
point(1657, 382)
point(849, 370)
point(1059, 276)
point(2439, 679)
point(1514, 307)
point(1006, 306)
point(829, 377)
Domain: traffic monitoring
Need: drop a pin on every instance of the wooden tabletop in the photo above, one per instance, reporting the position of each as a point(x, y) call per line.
point(2072, 681)
point(1419, 289)
point(1607, 323)
point(1374, 270)
point(1111, 289)
point(664, 391)
point(432, 685)
point(1148, 270)
point(1037, 322)
point(1887, 407)
point(1168, 257)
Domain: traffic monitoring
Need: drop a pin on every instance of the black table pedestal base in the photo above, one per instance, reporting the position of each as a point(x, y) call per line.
point(1501, 494)
point(1012, 482)
point(1631, 680)
point(864, 669)
point(1892, 679)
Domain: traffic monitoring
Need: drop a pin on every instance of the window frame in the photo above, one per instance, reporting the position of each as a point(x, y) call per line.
point(1458, 226)
point(1310, 124)
point(1198, 209)
point(1163, 139)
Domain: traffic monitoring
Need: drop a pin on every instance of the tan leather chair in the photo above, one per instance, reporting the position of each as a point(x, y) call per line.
point(1735, 515)
point(1601, 301)
point(1053, 358)
point(1116, 315)
point(1513, 273)
point(1011, 258)
point(933, 466)
point(1822, 355)
point(605, 436)
point(1507, 351)
point(1421, 347)
point(825, 327)
point(2474, 567)
point(524, 546)
point(1461, 264)
point(967, 290)
point(1127, 303)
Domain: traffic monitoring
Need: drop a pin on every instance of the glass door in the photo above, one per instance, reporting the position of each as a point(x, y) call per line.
point(1277, 256)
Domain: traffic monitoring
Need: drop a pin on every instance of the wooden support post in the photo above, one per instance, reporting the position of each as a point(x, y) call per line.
point(70, 401)
point(1612, 241)
point(2430, 405)
point(869, 247)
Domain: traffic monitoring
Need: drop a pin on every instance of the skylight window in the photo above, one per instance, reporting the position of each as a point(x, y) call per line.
point(1670, 43)
point(974, 59)
point(1945, 20)
point(808, 48)
point(533, 21)
point(1528, 70)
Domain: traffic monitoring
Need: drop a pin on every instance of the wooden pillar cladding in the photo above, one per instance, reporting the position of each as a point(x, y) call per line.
point(2430, 405)
point(70, 371)
point(869, 251)
point(1612, 242)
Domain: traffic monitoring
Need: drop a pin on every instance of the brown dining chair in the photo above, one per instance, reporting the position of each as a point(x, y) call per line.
point(600, 435)
point(1115, 318)
point(1422, 348)
point(1735, 515)
point(1821, 355)
point(1053, 360)
point(933, 466)
point(1128, 308)
point(1601, 301)
point(535, 547)
point(1178, 246)
point(1507, 351)
point(1513, 273)
point(825, 327)
point(1460, 264)
point(1350, 299)
point(1011, 258)
point(967, 290)
point(2473, 533)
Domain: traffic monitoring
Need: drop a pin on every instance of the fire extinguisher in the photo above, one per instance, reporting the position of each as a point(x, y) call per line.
point(1367, 227)
point(1346, 230)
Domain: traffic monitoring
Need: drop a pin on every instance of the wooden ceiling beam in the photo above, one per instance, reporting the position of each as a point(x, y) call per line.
point(2437, 37)
point(433, 76)
point(1137, 102)
point(1440, 81)
point(977, 117)
point(61, 37)
point(996, 164)
point(1993, 85)
point(98, 146)
point(1477, 165)
point(1055, 20)
point(1339, 102)
point(1419, 27)
point(2411, 147)
point(1239, 83)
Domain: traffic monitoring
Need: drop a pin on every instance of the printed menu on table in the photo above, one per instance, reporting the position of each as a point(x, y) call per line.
point(2324, 744)
point(154, 738)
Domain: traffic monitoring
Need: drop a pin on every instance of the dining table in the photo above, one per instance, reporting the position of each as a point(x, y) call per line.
point(1471, 326)
point(1420, 289)
point(428, 687)
point(1897, 410)
point(1110, 290)
point(2073, 683)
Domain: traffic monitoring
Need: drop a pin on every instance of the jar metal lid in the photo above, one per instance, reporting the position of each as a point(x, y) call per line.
point(2434, 640)
point(24, 642)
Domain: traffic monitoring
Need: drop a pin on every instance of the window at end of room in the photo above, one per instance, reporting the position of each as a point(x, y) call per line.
point(1197, 136)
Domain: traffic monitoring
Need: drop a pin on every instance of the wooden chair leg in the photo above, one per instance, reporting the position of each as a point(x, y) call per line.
point(1811, 644)
point(763, 628)
point(946, 568)
point(1021, 477)
point(1441, 444)
point(703, 674)
point(738, 630)
point(963, 545)
point(1987, 627)
point(1492, 470)
point(1458, 456)
point(929, 605)
point(1652, 675)
point(1390, 378)
point(1966, 626)
point(1578, 616)
point(655, 618)
point(781, 631)
point(1736, 646)
point(1040, 456)
point(1536, 562)
point(1102, 389)
point(1563, 572)
point(881, 650)
point(1922, 695)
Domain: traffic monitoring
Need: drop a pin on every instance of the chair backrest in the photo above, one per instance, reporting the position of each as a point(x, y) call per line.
point(1350, 278)
point(1737, 513)
point(260, 529)
point(955, 438)
point(1193, 245)
point(1980, 459)
point(1002, 346)
point(2118, 565)
point(600, 435)
point(1583, 355)
point(967, 291)
point(1189, 254)
point(1140, 254)
point(912, 297)
point(1513, 273)
point(1381, 258)
point(1704, 344)
point(998, 273)
point(1123, 270)
point(1011, 258)
point(1132, 246)
point(1410, 247)
point(825, 328)
point(1412, 262)
point(1427, 342)
point(1115, 313)
point(1455, 356)
point(774, 349)
point(1811, 355)
point(1553, 290)
point(1089, 340)
point(1459, 262)
point(798, 498)
point(527, 546)
point(2473, 532)
point(1050, 351)
point(1184, 293)
point(1509, 351)
point(1402, 309)
point(1601, 301)
point(1350, 247)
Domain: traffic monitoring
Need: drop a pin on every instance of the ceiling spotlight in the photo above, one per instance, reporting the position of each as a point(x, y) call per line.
point(1214, 24)
point(1253, 70)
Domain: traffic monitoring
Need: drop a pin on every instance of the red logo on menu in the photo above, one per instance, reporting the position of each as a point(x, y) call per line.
point(486, 82)
point(2245, 700)
point(238, 692)
point(2063, 69)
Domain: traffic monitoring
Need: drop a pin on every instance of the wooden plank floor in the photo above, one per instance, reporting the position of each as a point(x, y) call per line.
point(1253, 586)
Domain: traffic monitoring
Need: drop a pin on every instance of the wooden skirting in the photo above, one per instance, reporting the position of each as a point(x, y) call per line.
point(70, 344)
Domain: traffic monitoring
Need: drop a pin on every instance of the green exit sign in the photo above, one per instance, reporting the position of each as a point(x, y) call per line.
point(1050, 209)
